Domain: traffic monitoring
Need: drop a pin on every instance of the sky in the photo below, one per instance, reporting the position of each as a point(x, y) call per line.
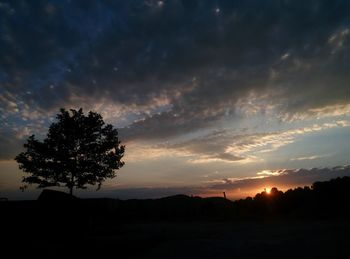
point(208, 96)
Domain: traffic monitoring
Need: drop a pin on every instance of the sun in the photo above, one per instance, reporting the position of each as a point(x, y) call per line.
point(267, 190)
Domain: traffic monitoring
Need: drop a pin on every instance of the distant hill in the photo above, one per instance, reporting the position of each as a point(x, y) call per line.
point(322, 200)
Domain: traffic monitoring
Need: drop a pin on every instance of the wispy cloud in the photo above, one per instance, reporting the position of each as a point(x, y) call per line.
point(228, 146)
point(308, 157)
point(272, 172)
point(339, 39)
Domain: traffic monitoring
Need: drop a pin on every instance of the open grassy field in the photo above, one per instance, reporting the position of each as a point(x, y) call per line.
point(253, 239)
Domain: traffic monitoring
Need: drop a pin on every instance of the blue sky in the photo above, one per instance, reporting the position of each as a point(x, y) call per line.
point(207, 95)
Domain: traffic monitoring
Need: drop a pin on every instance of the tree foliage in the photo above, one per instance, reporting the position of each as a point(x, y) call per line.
point(78, 150)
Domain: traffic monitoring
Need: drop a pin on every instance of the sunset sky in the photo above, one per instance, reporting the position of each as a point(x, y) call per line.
point(208, 96)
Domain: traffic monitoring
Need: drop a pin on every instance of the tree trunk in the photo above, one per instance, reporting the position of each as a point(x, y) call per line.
point(71, 186)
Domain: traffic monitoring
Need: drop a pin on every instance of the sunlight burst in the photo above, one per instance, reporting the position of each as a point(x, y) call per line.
point(267, 190)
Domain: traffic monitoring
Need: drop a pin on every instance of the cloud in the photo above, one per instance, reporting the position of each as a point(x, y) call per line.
point(229, 146)
point(226, 86)
point(338, 39)
point(174, 68)
point(271, 172)
point(308, 157)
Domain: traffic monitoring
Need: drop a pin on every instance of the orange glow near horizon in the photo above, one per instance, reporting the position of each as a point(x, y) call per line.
point(242, 193)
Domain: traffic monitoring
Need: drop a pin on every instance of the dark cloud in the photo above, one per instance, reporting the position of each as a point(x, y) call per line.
point(202, 56)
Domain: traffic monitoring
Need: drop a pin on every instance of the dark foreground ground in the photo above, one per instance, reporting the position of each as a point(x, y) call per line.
point(301, 223)
point(305, 239)
point(231, 240)
point(250, 239)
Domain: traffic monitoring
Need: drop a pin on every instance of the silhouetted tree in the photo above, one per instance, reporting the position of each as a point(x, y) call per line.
point(78, 150)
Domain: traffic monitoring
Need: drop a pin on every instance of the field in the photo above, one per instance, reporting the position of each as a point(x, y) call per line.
point(321, 239)
point(300, 223)
point(52, 234)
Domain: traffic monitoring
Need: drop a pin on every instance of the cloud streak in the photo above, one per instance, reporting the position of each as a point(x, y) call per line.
point(308, 157)
point(228, 146)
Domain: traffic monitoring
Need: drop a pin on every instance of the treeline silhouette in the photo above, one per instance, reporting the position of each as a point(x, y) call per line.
point(330, 199)
point(323, 200)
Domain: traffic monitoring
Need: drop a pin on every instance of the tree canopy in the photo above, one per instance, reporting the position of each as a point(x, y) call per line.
point(78, 150)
